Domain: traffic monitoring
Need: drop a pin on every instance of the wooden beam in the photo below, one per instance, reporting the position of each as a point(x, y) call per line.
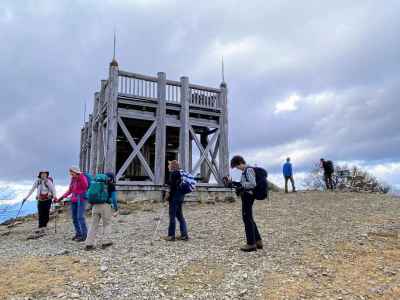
point(161, 130)
point(224, 143)
point(204, 152)
point(184, 124)
point(137, 76)
point(112, 122)
point(215, 172)
point(136, 149)
point(213, 158)
point(134, 114)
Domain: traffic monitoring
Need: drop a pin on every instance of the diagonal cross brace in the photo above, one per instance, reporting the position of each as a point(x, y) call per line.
point(202, 150)
point(205, 151)
point(136, 149)
point(213, 158)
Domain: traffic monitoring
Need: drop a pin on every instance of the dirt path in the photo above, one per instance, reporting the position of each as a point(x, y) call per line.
point(318, 246)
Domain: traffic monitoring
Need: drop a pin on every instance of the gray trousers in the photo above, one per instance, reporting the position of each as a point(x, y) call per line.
point(103, 212)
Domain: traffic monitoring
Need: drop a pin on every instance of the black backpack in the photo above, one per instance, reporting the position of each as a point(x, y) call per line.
point(329, 166)
point(261, 189)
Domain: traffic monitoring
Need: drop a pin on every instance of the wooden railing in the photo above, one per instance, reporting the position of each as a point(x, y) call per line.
point(142, 86)
point(173, 91)
point(137, 85)
point(204, 97)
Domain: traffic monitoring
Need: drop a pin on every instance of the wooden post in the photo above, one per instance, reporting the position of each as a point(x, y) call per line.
point(94, 140)
point(112, 116)
point(89, 143)
point(184, 129)
point(102, 98)
point(100, 147)
point(204, 165)
point(161, 130)
point(223, 123)
point(85, 146)
point(81, 153)
point(191, 155)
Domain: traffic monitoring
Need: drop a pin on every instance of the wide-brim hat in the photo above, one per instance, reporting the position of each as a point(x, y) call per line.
point(43, 171)
point(75, 170)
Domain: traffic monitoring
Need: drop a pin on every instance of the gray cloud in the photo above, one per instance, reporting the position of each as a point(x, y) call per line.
point(54, 54)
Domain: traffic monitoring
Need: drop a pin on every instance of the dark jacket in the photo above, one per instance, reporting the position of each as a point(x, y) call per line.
point(174, 181)
point(327, 165)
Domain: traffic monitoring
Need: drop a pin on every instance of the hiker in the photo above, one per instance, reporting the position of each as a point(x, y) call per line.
point(247, 185)
point(327, 166)
point(46, 192)
point(288, 175)
point(77, 189)
point(102, 196)
point(175, 197)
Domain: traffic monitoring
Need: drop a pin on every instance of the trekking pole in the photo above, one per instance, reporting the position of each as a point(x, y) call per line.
point(19, 211)
point(157, 225)
point(55, 217)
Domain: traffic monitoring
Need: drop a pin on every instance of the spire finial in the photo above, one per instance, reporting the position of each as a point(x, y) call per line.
point(114, 62)
point(115, 40)
point(223, 70)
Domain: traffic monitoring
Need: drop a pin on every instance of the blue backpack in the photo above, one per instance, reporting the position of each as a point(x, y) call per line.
point(188, 183)
point(98, 191)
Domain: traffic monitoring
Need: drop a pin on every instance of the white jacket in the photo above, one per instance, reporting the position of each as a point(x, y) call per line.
point(43, 187)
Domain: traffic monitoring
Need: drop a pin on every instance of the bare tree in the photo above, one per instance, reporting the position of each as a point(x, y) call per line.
point(345, 178)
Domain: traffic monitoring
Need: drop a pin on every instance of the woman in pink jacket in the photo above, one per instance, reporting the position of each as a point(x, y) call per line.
point(77, 190)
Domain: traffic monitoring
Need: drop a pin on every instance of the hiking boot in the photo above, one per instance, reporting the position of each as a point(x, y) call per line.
point(106, 245)
point(80, 239)
point(168, 238)
point(183, 238)
point(259, 244)
point(249, 248)
point(89, 247)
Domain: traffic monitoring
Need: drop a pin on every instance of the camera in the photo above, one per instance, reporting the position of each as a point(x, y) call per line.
point(233, 185)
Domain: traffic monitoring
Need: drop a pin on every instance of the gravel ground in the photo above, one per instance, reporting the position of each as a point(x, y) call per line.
point(317, 246)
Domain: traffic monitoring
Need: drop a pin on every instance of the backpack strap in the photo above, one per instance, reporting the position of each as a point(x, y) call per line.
point(247, 179)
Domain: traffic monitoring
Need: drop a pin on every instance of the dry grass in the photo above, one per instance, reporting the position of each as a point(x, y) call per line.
point(371, 270)
point(42, 276)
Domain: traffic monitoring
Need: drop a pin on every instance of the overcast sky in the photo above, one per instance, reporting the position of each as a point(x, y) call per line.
point(306, 79)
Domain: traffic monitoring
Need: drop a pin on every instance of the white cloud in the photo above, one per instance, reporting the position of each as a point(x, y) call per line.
point(293, 101)
point(289, 104)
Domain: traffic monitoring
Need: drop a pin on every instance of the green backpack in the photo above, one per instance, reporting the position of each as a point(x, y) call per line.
point(98, 190)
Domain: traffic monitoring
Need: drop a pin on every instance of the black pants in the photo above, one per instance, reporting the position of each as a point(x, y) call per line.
point(328, 181)
point(287, 178)
point(250, 227)
point(44, 212)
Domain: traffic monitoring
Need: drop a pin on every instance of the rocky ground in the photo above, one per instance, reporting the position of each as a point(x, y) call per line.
point(317, 246)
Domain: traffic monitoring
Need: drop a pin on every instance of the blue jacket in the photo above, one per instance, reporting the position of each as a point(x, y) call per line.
point(287, 169)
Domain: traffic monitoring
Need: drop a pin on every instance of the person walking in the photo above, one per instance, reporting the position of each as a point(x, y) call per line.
point(328, 168)
point(175, 197)
point(248, 183)
point(288, 174)
point(46, 192)
point(77, 189)
point(101, 209)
